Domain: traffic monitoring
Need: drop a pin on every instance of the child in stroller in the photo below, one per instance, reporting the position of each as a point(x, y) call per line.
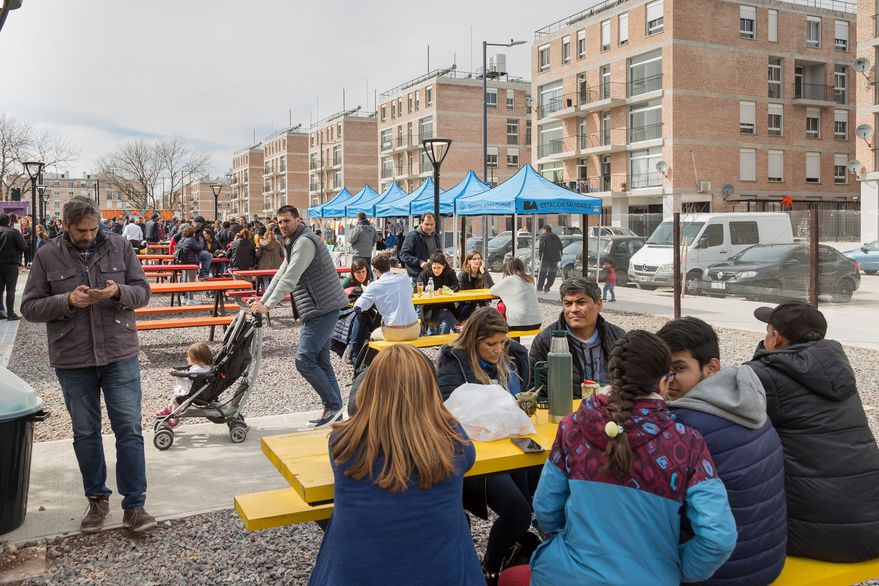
point(200, 359)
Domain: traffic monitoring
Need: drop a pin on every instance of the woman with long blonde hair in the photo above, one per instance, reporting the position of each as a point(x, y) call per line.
point(398, 465)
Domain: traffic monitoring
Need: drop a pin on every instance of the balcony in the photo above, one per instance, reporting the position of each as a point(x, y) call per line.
point(603, 185)
point(554, 150)
point(638, 134)
point(604, 96)
point(645, 88)
point(564, 106)
point(612, 140)
point(645, 180)
point(817, 95)
point(387, 173)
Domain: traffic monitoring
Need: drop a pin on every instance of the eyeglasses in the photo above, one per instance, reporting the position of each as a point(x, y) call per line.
point(670, 376)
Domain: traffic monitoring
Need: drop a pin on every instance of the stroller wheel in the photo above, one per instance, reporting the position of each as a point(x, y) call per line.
point(163, 439)
point(238, 433)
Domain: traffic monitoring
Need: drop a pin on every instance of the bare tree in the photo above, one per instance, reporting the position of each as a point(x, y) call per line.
point(132, 168)
point(178, 161)
point(15, 136)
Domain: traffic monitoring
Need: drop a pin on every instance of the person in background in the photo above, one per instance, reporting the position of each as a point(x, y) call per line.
point(365, 321)
point(831, 461)
point(380, 244)
point(391, 294)
point(133, 234)
point(242, 253)
point(621, 474)
point(398, 467)
point(43, 236)
point(24, 227)
point(418, 245)
point(438, 318)
point(189, 249)
point(225, 236)
point(270, 254)
point(391, 240)
point(610, 281)
point(12, 246)
point(590, 336)
point(518, 295)
point(362, 239)
point(727, 406)
point(550, 252)
point(150, 234)
point(473, 276)
point(205, 258)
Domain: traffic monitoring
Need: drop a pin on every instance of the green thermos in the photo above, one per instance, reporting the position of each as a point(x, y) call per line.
point(560, 373)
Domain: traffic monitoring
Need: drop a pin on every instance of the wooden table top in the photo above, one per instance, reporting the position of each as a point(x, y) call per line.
point(303, 458)
point(155, 257)
point(456, 297)
point(254, 272)
point(199, 286)
point(160, 268)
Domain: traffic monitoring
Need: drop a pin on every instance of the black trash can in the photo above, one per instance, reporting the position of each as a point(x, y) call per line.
point(19, 408)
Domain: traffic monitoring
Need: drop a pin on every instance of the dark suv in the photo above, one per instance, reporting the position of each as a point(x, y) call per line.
point(617, 249)
point(772, 272)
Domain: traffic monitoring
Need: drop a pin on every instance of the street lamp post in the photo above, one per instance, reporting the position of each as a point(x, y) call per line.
point(436, 150)
point(216, 188)
point(43, 199)
point(33, 169)
point(485, 46)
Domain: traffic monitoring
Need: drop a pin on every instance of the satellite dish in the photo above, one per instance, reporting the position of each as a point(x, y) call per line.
point(854, 166)
point(861, 64)
point(727, 190)
point(662, 167)
point(864, 131)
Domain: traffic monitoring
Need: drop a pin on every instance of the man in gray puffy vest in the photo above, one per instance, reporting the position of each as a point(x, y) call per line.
point(308, 274)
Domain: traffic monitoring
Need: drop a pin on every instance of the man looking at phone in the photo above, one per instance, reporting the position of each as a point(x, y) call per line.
point(85, 286)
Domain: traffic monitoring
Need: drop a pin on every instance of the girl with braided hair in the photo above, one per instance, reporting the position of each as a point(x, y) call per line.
point(620, 474)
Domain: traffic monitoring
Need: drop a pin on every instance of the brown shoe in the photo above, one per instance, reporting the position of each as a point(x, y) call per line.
point(99, 508)
point(138, 520)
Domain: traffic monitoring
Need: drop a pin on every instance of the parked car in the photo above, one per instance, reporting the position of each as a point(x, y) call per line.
point(773, 272)
point(501, 244)
point(867, 256)
point(619, 250)
point(572, 252)
point(596, 231)
point(525, 253)
point(474, 242)
point(709, 239)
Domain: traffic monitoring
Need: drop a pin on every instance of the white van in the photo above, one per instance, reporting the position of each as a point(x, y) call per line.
point(710, 238)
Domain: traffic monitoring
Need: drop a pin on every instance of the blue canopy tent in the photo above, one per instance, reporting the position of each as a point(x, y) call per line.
point(341, 197)
point(336, 208)
point(469, 185)
point(400, 208)
point(392, 193)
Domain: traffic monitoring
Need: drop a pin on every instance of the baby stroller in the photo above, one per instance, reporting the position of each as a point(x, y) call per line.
point(238, 361)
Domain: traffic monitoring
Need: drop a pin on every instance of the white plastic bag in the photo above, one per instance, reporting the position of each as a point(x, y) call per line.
point(488, 412)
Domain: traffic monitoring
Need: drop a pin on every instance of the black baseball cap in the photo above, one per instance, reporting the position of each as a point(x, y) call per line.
point(793, 320)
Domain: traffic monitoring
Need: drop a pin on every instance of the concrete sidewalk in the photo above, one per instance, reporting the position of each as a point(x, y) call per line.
point(191, 477)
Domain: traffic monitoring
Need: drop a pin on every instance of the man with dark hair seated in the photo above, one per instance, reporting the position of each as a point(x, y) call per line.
point(391, 294)
point(728, 407)
point(590, 336)
point(831, 461)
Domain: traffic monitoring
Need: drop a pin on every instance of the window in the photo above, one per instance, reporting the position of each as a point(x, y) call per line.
point(337, 179)
point(425, 164)
point(551, 140)
point(543, 58)
point(393, 109)
point(712, 236)
point(513, 158)
point(400, 106)
point(776, 166)
point(566, 49)
point(428, 95)
point(747, 22)
point(491, 97)
point(511, 97)
point(339, 130)
point(772, 26)
point(840, 84)
point(813, 32)
point(747, 118)
point(840, 124)
point(747, 165)
point(813, 123)
point(583, 133)
point(840, 162)
point(337, 155)
point(743, 233)
point(654, 17)
point(813, 167)
point(491, 159)
point(605, 35)
point(604, 77)
point(387, 167)
point(425, 128)
point(512, 131)
point(386, 142)
point(775, 78)
point(840, 36)
point(642, 169)
point(775, 125)
point(581, 44)
point(549, 98)
point(645, 73)
point(417, 101)
point(623, 28)
point(528, 132)
point(605, 128)
point(409, 104)
point(645, 122)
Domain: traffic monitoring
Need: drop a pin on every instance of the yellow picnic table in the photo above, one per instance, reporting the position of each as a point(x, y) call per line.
point(456, 297)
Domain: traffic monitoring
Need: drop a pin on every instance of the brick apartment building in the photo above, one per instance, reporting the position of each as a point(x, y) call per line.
point(285, 173)
point(447, 103)
point(60, 187)
point(247, 184)
point(198, 198)
point(757, 95)
point(342, 152)
point(868, 114)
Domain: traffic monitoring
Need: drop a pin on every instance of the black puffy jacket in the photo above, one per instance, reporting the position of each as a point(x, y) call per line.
point(830, 456)
point(453, 367)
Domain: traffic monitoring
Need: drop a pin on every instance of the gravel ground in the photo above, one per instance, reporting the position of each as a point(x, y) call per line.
point(215, 548)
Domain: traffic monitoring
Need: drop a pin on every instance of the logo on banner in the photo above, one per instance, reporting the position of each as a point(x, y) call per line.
point(530, 205)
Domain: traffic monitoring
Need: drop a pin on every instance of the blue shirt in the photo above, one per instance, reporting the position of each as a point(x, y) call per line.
point(392, 296)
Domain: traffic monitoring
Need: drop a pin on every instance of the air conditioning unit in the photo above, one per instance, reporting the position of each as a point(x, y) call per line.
point(703, 186)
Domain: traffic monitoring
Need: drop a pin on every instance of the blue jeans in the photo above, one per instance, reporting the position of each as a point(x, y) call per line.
point(359, 334)
point(608, 288)
point(546, 276)
point(120, 382)
point(313, 358)
point(441, 322)
point(205, 259)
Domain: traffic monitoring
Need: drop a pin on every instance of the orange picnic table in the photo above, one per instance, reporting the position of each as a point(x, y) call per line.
point(217, 287)
point(173, 269)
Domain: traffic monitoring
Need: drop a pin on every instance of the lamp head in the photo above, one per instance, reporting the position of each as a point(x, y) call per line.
point(515, 43)
point(436, 149)
point(216, 188)
point(33, 168)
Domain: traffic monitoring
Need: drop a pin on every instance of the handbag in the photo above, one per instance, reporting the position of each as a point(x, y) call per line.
point(342, 331)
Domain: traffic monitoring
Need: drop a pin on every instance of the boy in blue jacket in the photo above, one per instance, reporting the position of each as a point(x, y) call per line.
point(728, 407)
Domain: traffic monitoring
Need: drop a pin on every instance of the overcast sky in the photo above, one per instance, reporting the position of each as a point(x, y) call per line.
point(214, 71)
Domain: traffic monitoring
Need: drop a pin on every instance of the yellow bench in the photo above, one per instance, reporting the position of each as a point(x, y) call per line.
point(440, 340)
point(807, 572)
point(277, 508)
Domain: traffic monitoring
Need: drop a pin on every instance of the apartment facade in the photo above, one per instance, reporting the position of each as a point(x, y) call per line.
point(247, 182)
point(868, 117)
point(198, 198)
point(448, 103)
point(60, 187)
point(342, 152)
point(710, 105)
point(285, 173)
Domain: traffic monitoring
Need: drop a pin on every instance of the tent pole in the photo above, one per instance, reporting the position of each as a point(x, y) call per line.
point(584, 253)
point(462, 239)
point(534, 245)
point(515, 232)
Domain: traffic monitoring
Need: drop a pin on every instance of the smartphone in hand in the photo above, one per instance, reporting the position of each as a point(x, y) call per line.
point(527, 445)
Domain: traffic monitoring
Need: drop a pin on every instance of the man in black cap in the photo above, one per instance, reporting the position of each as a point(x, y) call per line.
point(831, 461)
